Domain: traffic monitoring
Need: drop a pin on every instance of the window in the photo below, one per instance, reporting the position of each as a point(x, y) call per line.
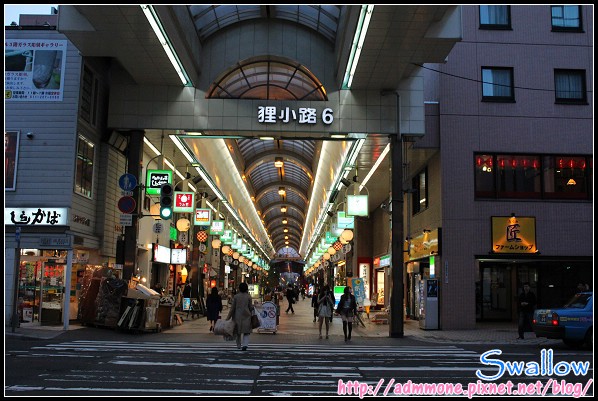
point(420, 192)
point(88, 110)
point(505, 176)
point(495, 17)
point(570, 86)
point(484, 176)
point(568, 177)
point(518, 176)
point(84, 173)
point(566, 18)
point(497, 84)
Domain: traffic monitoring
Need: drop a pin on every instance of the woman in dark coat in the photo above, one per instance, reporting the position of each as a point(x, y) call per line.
point(347, 308)
point(214, 307)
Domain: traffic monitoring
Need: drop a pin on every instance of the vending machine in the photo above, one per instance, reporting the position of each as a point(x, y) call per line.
point(428, 319)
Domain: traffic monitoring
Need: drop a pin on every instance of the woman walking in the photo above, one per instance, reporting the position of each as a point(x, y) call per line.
point(347, 308)
point(241, 311)
point(325, 306)
point(214, 307)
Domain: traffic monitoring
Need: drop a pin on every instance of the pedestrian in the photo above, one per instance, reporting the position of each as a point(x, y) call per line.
point(187, 295)
point(290, 294)
point(213, 307)
point(347, 309)
point(241, 311)
point(314, 303)
point(526, 305)
point(325, 306)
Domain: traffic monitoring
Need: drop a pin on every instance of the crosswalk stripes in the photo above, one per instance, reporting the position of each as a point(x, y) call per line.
point(265, 369)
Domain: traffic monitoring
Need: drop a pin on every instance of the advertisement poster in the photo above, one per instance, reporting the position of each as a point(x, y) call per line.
point(34, 69)
point(11, 149)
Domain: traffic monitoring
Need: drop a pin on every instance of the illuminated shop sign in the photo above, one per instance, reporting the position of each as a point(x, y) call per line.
point(184, 202)
point(155, 179)
point(514, 234)
point(217, 227)
point(36, 216)
point(203, 217)
point(303, 115)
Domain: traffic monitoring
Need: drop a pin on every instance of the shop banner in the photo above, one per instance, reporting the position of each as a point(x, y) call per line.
point(34, 69)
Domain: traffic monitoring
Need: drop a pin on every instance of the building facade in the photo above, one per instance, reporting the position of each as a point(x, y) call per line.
point(497, 175)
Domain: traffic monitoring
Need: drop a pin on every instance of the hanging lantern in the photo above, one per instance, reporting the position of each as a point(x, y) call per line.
point(183, 225)
point(347, 235)
point(331, 251)
point(235, 255)
point(216, 243)
point(326, 256)
point(337, 246)
point(225, 249)
point(202, 236)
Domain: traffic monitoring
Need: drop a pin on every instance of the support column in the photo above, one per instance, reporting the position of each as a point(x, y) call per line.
point(135, 157)
point(396, 328)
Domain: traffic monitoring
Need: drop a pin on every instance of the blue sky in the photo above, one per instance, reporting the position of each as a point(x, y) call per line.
point(12, 11)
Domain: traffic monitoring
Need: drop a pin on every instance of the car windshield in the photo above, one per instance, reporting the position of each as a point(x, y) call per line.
point(578, 301)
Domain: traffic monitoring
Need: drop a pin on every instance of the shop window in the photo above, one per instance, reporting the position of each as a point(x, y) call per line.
point(420, 191)
point(566, 18)
point(484, 176)
point(533, 177)
point(495, 17)
point(568, 177)
point(518, 176)
point(570, 86)
point(497, 84)
point(84, 168)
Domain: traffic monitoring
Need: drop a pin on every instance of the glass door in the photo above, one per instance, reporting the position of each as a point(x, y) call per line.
point(52, 292)
point(29, 290)
point(496, 292)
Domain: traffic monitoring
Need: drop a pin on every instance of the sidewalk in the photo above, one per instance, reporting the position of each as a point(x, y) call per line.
point(300, 325)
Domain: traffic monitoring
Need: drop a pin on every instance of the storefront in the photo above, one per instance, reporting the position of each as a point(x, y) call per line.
point(515, 260)
point(420, 262)
point(381, 279)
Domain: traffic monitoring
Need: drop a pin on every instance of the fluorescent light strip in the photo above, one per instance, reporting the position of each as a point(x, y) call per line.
point(151, 146)
point(371, 172)
point(364, 21)
point(154, 21)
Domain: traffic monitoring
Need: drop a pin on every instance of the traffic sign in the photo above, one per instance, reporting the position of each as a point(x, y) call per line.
point(127, 204)
point(127, 182)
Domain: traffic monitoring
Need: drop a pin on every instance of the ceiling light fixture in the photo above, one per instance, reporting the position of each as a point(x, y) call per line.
point(278, 162)
point(281, 191)
point(360, 33)
point(283, 209)
point(156, 25)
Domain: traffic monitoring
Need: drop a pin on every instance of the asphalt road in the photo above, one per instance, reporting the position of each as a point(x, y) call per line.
point(72, 364)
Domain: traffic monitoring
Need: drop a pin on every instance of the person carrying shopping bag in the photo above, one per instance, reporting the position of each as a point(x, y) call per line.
point(241, 311)
point(325, 306)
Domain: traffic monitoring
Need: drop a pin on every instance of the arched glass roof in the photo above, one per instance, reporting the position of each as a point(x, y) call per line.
point(271, 78)
point(208, 19)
